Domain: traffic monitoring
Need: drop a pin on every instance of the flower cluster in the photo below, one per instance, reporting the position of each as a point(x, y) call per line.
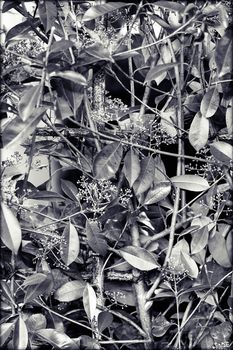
point(8, 191)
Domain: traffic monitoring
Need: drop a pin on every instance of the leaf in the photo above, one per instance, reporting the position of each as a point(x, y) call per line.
point(157, 70)
point(28, 101)
point(107, 161)
point(189, 264)
point(139, 258)
point(105, 319)
point(43, 287)
point(210, 102)
point(146, 176)
point(157, 193)
point(194, 183)
point(89, 301)
point(218, 250)
point(69, 189)
point(229, 121)
point(97, 244)
point(48, 13)
point(223, 53)
point(5, 332)
point(169, 5)
point(131, 167)
point(160, 325)
point(94, 54)
point(34, 279)
point(70, 291)
point(70, 244)
point(100, 10)
point(22, 28)
point(199, 239)
point(56, 339)
point(47, 196)
point(20, 334)
point(60, 45)
point(75, 77)
point(199, 131)
point(36, 322)
point(6, 293)
point(17, 130)
point(168, 120)
point(11, 234)
point(222, 151)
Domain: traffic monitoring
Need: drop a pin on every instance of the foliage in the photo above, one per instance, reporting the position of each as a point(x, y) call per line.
point(116, 219)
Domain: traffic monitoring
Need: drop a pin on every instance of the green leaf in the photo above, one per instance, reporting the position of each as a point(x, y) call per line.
point(222, 151)
point(22, 28)
point(48, 13)
point(36, 322)
point(139, 258)
point(223, 53)
point(56, 338)
point(34, 279)
point(210, 102)
point(89, 301)
point(168, 121)
point(105, 319)
point(70, 244)
point(194, 183)
point(69, 189)
point(43, 287)
point(5, 332)
point(11, 234)
point(170, 5)
point(100, 10)
point(199, 239)
point(189, 264)
point(160, 325)
point(107, 161)
point(75, 77)
point(157, 193)
point(218, 250)
point(131, 167)
point(199, 131)
point(146, 176)
point(229, 119)
point(60, 45)
point(70, 291)
point(28, 101)
point(94, 54)
point(20, 335)
point(157, 70)
point(17, 130)
point(47, 196)
point(6, 292)
point(95, 241)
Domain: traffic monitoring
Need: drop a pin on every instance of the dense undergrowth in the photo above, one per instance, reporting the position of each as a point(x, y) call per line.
point(117, 175)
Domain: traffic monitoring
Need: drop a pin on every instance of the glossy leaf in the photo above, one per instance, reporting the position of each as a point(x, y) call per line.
point(89, 301)
point(222, 151)
point(168, 121)
point(157, 193)
point(229, 119)
point(75, 77)
point(70, 245)
point(5, 332)
point(47, 196)
point(105, 319)
point(11, 234)
point(69, 189)
point(131, 167)
point(199, 131)
point(56, 339)
point(107, 161)
point(160, 325)
point(210, 102)
point(100, 10)
point(60, 45)
point(20, 335)
point(199, 239)
point(95, 241)
point(146, 176)
point(194, 183)
point(48, 13)
point(6, 292)
point(157, 70)
point(43, 287)
point(36, 278)
point(189, 264)
point(223, 53)
point(70, 291)
point(217, 248)
point(139, 258)
point(36, 322)
point(28, 101)
point(170, 5)
point(21, 28)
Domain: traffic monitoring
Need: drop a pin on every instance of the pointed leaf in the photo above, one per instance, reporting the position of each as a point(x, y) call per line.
point(89, 301)
point(47, 196)
point(199, 131)
point(222, 151)
point(131, 167)
point(189, 265)
point(6, 293)
point(36, 322)
point(70, 291)
point(217, 248)
point(36, 278)
point(21, 28)
point(56, 339)
point(229, 119)
point(170, 5)
point(100, 10)
point(105, 319)
point(210, 102)
point(75, 77)
point(157, 193)
point(199, 240)
point(107, 161)
point(168, 121)
point(20, 335)
point(5, 332)
point(97, 244)
point(223, 53)
point(43, 287)
point(69, 189)
point(61, 45)
point(70, 244)
point(11, 234)
point(160, 326)
point(48, 13)
point(157, 70)
point(146, 176)
point(193, 183)
point(28, 101)
point(139, 258)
